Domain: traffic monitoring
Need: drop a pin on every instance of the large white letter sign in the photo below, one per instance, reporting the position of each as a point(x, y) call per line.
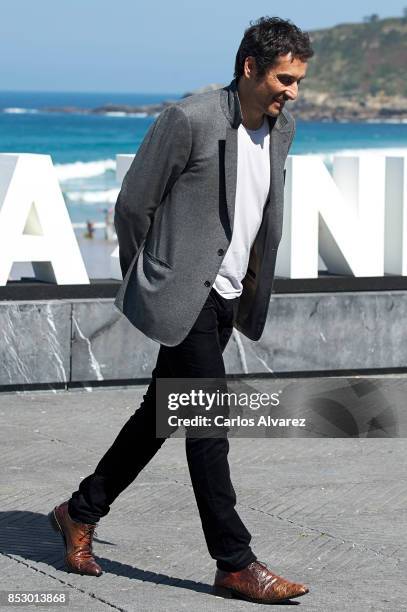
point(123, 163)
point(34, 222)
point(395, 254)
point(341, 216)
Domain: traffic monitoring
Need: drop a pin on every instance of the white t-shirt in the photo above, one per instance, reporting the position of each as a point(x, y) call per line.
point(252, 187)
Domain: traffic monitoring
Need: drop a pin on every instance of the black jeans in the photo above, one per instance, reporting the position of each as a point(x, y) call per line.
point(199, 355)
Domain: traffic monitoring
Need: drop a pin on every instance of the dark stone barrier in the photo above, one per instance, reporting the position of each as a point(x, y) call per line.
point(48, 337)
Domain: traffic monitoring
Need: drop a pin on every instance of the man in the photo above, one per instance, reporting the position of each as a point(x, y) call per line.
point(211, 163)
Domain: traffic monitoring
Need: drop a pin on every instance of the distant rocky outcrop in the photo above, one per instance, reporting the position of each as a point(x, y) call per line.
point(360, 59)
point(126, 109)
point(317, 106)
point(358, 72)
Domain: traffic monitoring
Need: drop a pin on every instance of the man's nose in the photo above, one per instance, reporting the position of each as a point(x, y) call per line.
point(292, 91)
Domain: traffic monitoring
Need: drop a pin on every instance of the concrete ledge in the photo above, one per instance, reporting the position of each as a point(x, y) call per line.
point(84, 341)
point(29, 289)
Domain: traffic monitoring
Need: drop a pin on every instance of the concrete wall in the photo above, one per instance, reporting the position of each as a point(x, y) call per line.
point(74, 341)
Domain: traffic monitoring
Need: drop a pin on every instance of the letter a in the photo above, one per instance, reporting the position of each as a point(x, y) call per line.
point(34, 222)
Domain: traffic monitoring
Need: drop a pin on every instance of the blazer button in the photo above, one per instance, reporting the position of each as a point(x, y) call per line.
point(220, 251)
point(207, 284)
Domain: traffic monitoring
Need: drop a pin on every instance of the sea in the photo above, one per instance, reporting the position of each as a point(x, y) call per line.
point(83, 147)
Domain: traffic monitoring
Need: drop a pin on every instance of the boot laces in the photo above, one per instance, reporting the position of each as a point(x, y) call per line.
point(88, 531)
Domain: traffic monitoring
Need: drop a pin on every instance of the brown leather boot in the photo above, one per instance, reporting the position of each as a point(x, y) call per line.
point(78, 542)
point(256, 583)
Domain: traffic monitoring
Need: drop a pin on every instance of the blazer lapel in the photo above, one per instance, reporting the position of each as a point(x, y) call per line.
point(279, 137)
point(231, 172)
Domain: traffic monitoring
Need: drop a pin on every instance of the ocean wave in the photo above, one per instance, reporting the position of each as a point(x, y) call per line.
point(124, 114)
point(115, 114)
point(388, 152)
point(20, 111)
point(84, 170)
point(78, 169)
point(371, 152)
point(107, 196)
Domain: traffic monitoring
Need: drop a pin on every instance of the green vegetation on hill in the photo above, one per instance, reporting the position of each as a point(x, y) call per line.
point(360, 58)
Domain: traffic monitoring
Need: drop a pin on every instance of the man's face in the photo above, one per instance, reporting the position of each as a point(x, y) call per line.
point(280, 83)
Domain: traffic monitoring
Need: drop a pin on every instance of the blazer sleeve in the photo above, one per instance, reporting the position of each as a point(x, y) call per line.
point(160, 160)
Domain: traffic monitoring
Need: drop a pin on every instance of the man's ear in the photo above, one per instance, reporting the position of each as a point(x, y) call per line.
point(250, 68)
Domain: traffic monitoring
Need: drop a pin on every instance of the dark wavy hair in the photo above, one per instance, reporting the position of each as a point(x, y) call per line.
point(268, 38)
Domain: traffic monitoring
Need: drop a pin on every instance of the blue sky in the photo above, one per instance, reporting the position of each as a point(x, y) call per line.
point(150, 46)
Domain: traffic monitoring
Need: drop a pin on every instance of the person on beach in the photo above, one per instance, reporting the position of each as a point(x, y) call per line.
point(90, 229)
point(198, 220)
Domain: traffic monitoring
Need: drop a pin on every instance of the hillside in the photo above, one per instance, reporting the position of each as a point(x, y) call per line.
point(360, 58)
point(358, 71)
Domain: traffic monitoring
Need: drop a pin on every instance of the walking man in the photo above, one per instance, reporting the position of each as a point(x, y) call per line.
point(199, 220)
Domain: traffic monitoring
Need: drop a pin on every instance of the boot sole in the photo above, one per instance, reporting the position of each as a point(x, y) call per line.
point(233, 594)
point(57, 527)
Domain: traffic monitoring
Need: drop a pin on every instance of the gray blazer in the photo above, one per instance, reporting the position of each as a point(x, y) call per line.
point(174, 218)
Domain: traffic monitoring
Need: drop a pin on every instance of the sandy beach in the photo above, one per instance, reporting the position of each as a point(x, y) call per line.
point(95, 252)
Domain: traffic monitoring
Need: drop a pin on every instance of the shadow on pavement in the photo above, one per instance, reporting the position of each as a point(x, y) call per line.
point(29, 535)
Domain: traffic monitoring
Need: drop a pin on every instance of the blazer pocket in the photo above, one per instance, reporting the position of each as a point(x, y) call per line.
point(156, 260)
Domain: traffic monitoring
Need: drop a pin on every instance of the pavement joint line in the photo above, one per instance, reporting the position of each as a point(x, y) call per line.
point(64, 582)
point(321, 485)
point(325, 533)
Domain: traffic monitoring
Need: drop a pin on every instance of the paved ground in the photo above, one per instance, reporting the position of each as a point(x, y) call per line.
point(329, 512)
